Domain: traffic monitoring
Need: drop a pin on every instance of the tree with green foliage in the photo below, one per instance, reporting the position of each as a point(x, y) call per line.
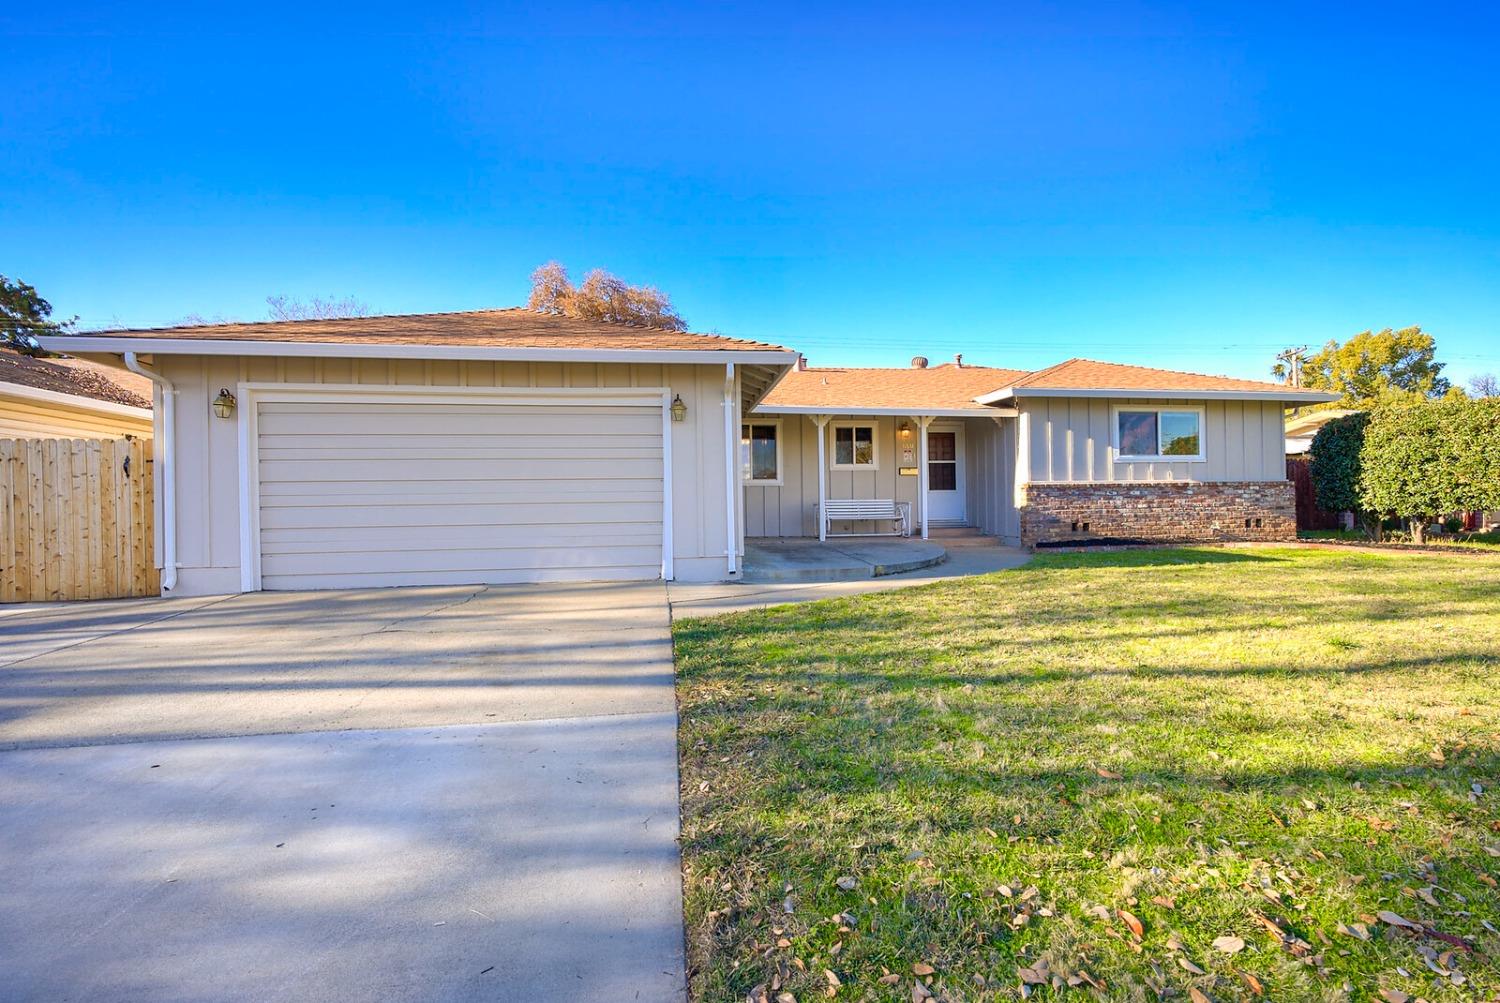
point(1334, 468)
point(1377, 366)
point(1423, 461)
point(24, 315)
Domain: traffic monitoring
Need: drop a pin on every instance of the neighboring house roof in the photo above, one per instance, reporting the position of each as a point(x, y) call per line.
point(1089, 378)
point(74, 378)
point(513, 328)
point(1310, 422)
point(947, 387)
point(1301, 429)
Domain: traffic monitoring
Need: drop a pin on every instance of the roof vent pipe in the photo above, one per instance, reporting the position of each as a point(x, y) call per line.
point(958, 360)
point(920, 362)
point(801, 362)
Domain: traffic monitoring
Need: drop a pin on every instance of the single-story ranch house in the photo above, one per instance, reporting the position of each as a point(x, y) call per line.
point(504, 446)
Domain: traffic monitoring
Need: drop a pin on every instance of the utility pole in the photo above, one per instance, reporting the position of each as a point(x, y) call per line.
point(1293, 358)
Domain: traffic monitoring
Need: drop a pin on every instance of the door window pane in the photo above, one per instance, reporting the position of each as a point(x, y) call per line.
point(1137, 433)
point(942, 446)
point(942, 476)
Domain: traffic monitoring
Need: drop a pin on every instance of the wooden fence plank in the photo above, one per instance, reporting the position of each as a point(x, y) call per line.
point(73, 524)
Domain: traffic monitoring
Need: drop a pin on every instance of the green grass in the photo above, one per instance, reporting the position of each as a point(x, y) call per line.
point(1477, 541)
point(1209, 740)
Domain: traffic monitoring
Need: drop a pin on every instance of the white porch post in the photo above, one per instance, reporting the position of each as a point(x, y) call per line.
point(821, 420)
point(922, 423)
point(731, 470)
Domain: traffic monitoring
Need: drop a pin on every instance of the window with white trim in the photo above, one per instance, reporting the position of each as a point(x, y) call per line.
point(760, 452)
point(854, 447)
point(1158, 433)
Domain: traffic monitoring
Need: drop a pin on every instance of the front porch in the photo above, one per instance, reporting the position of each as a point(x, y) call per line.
point(944, 470)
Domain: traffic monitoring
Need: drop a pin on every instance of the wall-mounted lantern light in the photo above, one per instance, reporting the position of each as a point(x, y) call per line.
point(224, 404)
point(905, 430)
point(679, 409)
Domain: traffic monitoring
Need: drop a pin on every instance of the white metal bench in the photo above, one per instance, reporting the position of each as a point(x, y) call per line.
point(867, 509)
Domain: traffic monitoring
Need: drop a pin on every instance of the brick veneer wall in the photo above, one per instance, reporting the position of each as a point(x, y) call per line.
point(1159, 511)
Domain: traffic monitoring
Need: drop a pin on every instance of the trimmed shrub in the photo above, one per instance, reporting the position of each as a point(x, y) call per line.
point(1428, 460)
point(1333, 465)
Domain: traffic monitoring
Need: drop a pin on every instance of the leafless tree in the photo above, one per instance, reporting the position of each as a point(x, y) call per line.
point(601, 296)
point(317, 308)
point(1484, 385)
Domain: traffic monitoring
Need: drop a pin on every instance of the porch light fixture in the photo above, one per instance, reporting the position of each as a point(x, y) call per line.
point(224, 404)
point(905, 430)
point(679, 409)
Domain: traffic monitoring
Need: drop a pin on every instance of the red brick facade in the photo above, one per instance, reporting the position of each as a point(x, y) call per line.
point(1159, 511)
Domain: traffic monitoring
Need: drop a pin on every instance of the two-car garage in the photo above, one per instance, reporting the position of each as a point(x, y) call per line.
point(381, 486)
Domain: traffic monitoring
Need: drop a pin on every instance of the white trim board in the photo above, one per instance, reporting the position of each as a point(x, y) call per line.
point(886, 412)
point(1296, 396)
point(251, 394)
point(82, 344)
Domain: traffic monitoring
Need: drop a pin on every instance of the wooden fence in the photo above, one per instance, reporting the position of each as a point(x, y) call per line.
point(75, 519)
point(1309, 516)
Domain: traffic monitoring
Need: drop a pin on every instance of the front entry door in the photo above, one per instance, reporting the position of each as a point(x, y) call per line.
point(945, 475)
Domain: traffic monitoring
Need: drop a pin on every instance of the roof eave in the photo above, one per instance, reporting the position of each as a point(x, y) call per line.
point(93, 405)
point(88, 344)
point(1271, 394)
point(882, 412)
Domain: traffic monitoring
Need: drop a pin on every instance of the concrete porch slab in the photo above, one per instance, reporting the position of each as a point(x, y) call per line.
point(841, 560)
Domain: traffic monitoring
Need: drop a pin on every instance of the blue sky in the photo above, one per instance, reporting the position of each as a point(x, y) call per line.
point(1178, 185)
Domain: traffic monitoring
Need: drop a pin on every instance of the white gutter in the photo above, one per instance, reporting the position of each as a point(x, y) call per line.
point(167, 443)
point(1269, 394)
point(898, 412)
point(731, 480)
point(85, 344)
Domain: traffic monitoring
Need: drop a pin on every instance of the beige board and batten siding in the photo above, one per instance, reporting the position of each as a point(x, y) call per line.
point(789, 509)
point(990, 447)
point(208, 452)
point(22, 418)
point(1071, 442)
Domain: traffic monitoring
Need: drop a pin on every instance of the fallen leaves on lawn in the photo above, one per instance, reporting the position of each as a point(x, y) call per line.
point(1229, 944)
point(922, 969)
point(1136, 929)
point(847, 882)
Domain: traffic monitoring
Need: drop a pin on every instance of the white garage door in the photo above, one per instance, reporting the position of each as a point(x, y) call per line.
point(417, 491)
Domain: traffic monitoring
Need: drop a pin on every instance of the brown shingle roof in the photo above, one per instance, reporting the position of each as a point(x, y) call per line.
point(507, 328)
point(77, 377)
point(1087, 374)
point(945, 387)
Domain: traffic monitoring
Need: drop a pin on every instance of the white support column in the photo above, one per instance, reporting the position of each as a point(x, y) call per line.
point(922, 423)
point(821, 420)
point(731, 472)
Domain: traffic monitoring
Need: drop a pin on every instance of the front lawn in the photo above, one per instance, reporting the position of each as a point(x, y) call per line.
point(1489, 540)
point(1183, 774)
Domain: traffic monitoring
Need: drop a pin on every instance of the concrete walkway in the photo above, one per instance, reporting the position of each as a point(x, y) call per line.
point(964, 557)
point(769, 561)
point(406, 794)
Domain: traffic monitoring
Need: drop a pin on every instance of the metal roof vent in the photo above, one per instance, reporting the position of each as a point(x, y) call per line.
point(920, 362)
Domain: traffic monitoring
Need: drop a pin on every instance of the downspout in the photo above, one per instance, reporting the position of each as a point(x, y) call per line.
point(168, 436)
point(731, 481)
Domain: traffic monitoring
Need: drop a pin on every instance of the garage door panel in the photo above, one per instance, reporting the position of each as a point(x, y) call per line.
point(397, 562)
point(469, 423)
point(403, 493)
point(371, 580)
point(343, 539)
point(386, 470)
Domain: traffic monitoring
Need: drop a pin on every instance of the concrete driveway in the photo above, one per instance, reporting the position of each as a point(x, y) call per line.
point(438, 794)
